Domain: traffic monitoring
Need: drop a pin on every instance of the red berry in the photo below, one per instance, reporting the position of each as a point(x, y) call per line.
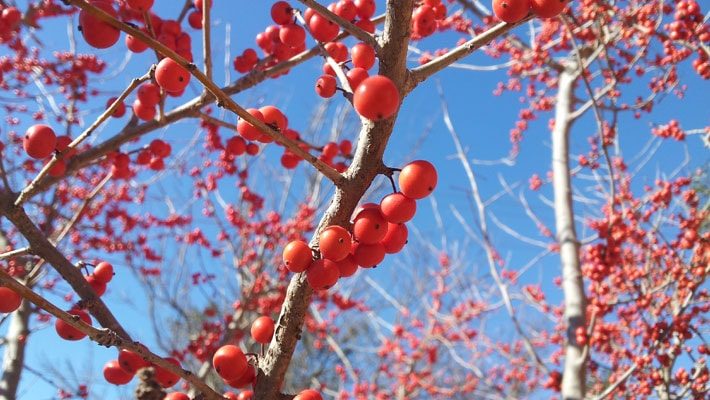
point(322, 29)
point(363, 56)
point(347, 266)
point(140, 5)
point(40, 141)
point(365, 8)
point(252, 149)
point(66, 331)
point(337, 51)
point(9, 300)
point(236, 145)
point(62, 145)
point(356, 76)
point(346, 10)
point(376, 98)
point(98, 286)
point(308, 394)
point(135, 45)
point(511, 11)
point(370, 226)
point(171, 76)
point(335, 243)
point(144, 112)
point(395, 239)
point(289, 160)
point(96, 32)
point(149, 94)
point(292, 35)
point(246, 395)
point(282, 13)
point(368, 255)
point(230, 362)
point(262, 329)
point(166, 378)
point(424, 20)
point(246, 379)
point(194, 19)
point(58, 169)
point(120, 110)
point(274, 117)
point(247, 130)
point(297, 256)
point(398, 208)
point(200, 3)
point(547, 8)
point(131, 362)
point(366, 25)
point(103, 272)
point(418, 179)
point(11, 18)
point(115, 375)
point(322, 274)
point(326, 86)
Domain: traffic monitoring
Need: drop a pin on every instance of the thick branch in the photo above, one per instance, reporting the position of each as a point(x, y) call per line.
point(367, 163)
point(573, 378)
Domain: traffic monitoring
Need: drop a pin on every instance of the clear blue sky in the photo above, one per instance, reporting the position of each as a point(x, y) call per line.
point(482, 121)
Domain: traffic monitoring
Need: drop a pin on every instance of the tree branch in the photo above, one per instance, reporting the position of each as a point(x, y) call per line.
point(108, 338)
point(422, 72)
point(347, 26)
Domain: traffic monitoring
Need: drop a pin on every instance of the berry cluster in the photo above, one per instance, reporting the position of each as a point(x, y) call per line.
point(122, 370)
point(10, 19)
point(426, 18)
point(512, 11)
point(377, 229)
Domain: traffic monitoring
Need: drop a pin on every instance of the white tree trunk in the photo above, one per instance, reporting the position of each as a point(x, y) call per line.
point(573, 377)
point(14, 356)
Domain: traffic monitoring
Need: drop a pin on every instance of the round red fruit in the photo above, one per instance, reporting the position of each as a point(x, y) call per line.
point(335, 242)
point(547, 8)
point(511, 11)
point(103, 272)
point(130, 361)
point(115, 375)
point(171, 76)
point(356, 76)
point(247, 130)
point(365, 8)
point(322, 274)
point(370, 226)
point(40, 141)
point(396, 238)
point(418, 179)
point(120, 110)
point(166, 378)
point(282, 13)
point(230, 362)
point(398, 208)
point(322, 29)
point(363, 56)
point(97, 33)
point(66, 331)
point(347, 266)
point(308, 394)
point(297, 256)
point(326, 86)
point(368, 255)
point(262, 329)
point(9, 300)
point(376, 98)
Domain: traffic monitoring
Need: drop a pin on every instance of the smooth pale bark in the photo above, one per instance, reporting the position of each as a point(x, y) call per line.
point(573, 376)
point(13, 361)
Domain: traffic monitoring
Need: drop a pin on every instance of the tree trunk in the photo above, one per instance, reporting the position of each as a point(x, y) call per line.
point(14, 356)
point(573, 377)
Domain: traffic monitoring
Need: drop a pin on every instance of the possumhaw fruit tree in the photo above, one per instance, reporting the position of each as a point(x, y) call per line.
point(279, 253)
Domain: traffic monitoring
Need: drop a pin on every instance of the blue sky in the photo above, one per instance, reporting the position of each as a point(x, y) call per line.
point(482, 121)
